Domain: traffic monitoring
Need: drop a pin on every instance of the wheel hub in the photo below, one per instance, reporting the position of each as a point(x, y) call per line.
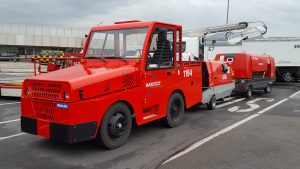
point(287, 76)
point(117, 125)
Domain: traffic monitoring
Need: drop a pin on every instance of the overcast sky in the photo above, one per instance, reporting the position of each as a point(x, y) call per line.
point(281, 16)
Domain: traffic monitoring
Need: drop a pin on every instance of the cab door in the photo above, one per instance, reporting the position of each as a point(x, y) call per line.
point(160, 72)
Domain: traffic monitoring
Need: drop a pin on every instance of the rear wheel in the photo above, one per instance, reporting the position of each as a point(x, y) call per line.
point(175, 111)
point(287, 76)
point(212, 103)
point(115, 126)
point(249, 92)
point(268, 89)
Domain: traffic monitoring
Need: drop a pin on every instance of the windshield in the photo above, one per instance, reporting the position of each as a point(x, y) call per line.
point(123, 43)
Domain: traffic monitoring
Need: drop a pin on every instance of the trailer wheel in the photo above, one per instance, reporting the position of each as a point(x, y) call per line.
point(249, 92)
point(175, 111)
point(221, 100)
point(115, 126)
point(287, 76)
point(212, 103)
point(268, 89)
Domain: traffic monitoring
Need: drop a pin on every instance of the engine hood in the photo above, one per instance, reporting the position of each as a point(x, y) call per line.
point(90, 80)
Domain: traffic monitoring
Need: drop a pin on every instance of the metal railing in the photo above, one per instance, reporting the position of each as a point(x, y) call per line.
point(53, 64)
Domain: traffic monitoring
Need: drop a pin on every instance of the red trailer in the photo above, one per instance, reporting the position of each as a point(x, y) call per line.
point(251, 72)
point(217, 82)
point(128, 70)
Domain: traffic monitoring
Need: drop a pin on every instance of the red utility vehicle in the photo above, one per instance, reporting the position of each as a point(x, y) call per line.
point(128, 70)
point(251, 72)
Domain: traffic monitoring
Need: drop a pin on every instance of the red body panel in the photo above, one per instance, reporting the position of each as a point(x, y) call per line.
point(259, 63)
point(216, 74)
point(245, 65)
point(271, 72)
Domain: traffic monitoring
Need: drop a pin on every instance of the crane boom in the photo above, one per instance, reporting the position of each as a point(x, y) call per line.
point(234, 32)
point(214, 29)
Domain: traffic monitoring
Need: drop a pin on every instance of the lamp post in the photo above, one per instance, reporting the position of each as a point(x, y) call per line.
point(227, 12)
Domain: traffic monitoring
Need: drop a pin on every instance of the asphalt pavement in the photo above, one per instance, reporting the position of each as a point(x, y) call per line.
point(270, 140)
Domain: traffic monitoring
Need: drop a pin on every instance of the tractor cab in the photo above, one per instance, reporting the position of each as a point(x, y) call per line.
point(132, 42)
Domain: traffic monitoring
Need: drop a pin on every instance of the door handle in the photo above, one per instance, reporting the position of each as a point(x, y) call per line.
point(169, 73)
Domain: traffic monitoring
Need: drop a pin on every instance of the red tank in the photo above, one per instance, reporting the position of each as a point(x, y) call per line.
point(248, 66)
point(251, 72)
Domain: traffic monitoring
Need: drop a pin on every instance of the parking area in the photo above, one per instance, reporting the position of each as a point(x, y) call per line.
point(224, 139)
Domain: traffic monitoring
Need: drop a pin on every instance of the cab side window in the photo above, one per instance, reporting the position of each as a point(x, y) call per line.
point(161, 54)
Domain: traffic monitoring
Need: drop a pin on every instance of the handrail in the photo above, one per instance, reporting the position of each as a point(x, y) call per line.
point(65, 62)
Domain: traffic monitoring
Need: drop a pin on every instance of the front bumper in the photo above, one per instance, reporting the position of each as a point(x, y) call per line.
point(59, 132)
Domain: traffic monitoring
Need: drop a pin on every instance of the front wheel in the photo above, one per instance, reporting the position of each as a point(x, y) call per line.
point(115, 126)
point(175, 111)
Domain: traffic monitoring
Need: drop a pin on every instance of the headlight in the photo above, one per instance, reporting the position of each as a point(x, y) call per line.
point(66, 95)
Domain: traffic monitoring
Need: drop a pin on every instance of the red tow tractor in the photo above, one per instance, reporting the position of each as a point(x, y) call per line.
point(128, 70)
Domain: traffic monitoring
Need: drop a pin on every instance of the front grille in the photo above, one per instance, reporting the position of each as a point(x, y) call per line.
point(44, 109)
point(49, 90)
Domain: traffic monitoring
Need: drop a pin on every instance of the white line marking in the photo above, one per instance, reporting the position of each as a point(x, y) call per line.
point(251, 105)
point(229, 103)
point(233, 109)
point(255, 100)
point(293, 95)
point(11, 136)
point(270, 99)
point(2, 104)
point(223, 131)
point(9, 121)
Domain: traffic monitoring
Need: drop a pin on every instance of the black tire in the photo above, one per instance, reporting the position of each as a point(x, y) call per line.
point(115, 126)
point(175, 111)
point(287, 76)
point(268, 89)
point(249, 92)
point(212, 103)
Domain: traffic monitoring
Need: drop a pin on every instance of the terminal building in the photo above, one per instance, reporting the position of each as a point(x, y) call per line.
point(32, 39)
